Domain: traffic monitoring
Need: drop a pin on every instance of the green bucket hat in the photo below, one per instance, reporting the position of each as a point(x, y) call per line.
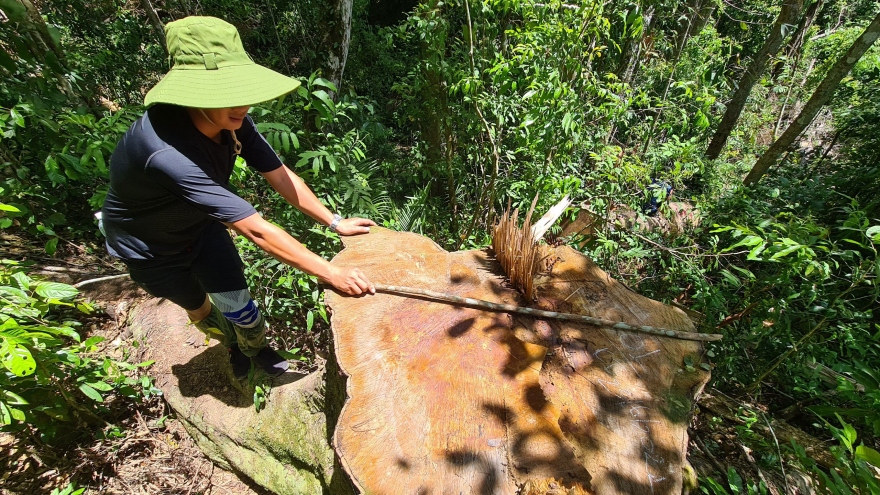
point(210, 68)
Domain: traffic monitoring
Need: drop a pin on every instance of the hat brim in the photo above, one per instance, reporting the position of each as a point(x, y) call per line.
point(226, 87)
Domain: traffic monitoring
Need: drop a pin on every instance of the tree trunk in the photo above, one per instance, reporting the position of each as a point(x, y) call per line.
point(633, 48)
point(157, 23)
point(793, 50)
point(700, 12)
point(36, 22)
point(788, 15)
point(338, 40)
point(821, 95)
point(46, 50)
point(284, 447)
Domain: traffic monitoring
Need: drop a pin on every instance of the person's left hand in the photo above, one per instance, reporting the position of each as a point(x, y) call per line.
point(354, 226)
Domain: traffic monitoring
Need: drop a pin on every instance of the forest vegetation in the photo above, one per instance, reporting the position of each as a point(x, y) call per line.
point(762, 115)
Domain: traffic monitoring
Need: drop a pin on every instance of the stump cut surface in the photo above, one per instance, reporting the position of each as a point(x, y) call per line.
point(445, 399)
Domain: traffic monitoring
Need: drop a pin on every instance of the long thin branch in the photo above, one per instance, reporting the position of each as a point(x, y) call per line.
point(100, 279)
point(538, 313)
point(678, 251)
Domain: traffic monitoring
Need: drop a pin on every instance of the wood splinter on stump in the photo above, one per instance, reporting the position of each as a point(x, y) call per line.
point(518, 253)
point(451, 399)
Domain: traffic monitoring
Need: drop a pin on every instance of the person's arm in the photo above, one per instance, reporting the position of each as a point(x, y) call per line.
point(298, 194)
point(288, 250)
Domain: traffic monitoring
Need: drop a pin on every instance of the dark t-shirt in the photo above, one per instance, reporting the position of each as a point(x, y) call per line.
point(168, 182)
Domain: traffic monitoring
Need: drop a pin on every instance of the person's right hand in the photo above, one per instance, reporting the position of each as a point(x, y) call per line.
point(351, 281)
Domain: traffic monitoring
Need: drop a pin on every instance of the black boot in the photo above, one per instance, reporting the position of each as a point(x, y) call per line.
point(272, 363)
point(241, 364)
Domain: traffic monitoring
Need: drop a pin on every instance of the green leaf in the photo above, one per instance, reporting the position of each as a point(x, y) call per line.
point(55, 34)
point(748, 241)
point(868, 454)
point(873, 233)
point(756, 252)
point(320, 81)
point(65, 331)
point(99, 161)
point(6, 207)
point(785, 252)
point(17, 359)
point(13, 398)
point(21, 280)
point(310, 321)
point(730, 278)
point(291, 354)
point(53, 171)
point(17, 414)
point(6, 61)
point(90, 392)
point(102, 386)
point(5, 416)
point(325, 99)
point(51, 246)
point(92, 341)
point(56, 290)
point(734, 480)
point(272, 126)
point(847, 435)
point(14, 10)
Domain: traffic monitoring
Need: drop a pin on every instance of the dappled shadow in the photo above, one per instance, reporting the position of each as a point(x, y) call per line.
point(538, 449)
point(624, 397)
point(472, 401)
point(490, 482)
point(209, 373)
point(460, 328)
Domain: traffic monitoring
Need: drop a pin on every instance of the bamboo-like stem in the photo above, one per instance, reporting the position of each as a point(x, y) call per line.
point(538, 313)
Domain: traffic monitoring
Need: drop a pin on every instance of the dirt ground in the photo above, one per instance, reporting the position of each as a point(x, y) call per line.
point(155, 455)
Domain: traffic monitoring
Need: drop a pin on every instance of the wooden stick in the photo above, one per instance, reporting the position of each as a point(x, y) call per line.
point(538, 313)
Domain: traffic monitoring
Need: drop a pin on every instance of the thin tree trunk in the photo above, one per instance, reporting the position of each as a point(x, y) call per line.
point(338, 40)
point(700, 12)
point(650, 134)
point(633, 48)
point(36, 22)
point(821, 95)
point(45, 49)
point(793, 49)
point(788, 95)
point(787, 16)
point(157, 23)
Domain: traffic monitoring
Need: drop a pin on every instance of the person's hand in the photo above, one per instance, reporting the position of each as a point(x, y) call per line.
point(351, 281)
point(354, 226)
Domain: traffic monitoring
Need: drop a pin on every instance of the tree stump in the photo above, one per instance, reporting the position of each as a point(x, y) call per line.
point(446, 399)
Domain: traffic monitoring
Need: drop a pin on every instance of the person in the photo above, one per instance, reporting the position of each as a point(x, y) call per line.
point(658, 192)
point(169, 202)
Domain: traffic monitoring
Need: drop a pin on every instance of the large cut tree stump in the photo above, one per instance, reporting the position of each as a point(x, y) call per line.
point(447, 400)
